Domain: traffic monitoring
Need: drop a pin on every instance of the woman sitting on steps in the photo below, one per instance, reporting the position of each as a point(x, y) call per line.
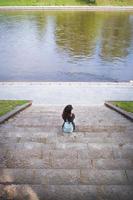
point(68, 117)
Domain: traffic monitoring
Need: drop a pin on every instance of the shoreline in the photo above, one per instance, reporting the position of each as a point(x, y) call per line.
point(71, 8)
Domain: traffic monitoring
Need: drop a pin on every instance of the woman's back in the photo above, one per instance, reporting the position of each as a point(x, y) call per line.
point(67, 115)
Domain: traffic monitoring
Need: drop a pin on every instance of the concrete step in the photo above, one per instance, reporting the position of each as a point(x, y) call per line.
point(65, 163)
point(86, 116)
point(76, 137)
point(63, 192)
point(65, 155)
point(57, 127)
point(66, 176)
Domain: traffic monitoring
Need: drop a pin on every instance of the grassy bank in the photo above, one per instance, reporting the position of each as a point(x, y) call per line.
point(8, 105)
point(64, 2)
point(125, 105)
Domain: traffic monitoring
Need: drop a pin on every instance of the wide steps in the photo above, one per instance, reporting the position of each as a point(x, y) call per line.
point(38, 161)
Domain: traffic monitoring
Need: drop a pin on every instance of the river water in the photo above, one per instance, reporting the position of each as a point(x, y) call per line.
point(66, 46)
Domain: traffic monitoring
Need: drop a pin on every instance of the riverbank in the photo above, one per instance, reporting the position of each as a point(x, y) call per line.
point(85, 8)
point(62, 93)
point(65, 2)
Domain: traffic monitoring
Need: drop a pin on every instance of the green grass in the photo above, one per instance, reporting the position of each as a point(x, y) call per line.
point(63, 2)
point(8, 105)
point(125, 105)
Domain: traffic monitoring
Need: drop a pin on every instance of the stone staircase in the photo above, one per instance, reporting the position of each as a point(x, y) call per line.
point(39, 162)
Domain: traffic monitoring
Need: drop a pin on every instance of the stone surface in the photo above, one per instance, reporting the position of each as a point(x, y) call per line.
point(38, 161)
point(129, 174)
point(113, 164)
point(60, 93)
point(103, 177)
point(91, 8)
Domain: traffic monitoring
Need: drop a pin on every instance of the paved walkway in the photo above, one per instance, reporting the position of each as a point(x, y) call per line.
point(91, 8)
point(39, 162)
point(62, 93)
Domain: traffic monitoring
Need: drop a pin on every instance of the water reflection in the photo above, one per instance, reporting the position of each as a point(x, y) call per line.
point(66, 46)
point(40, 22)
point(77, 32)
point(117, 36)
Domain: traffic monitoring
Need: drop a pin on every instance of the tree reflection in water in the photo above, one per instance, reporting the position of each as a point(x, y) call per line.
point(66, 46)
point(77, 32)
point(117, 36)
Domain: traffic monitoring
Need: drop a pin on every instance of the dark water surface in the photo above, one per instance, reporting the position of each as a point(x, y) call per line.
point(66, 46)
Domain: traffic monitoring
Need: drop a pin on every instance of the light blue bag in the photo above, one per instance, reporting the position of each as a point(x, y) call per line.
point(68, 127)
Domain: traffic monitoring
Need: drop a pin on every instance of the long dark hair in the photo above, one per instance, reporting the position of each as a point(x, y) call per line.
point(67, 112)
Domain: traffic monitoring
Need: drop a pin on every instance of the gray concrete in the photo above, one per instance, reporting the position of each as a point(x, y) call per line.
point(90, 8)
point(62, 93)
point(38, 161)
